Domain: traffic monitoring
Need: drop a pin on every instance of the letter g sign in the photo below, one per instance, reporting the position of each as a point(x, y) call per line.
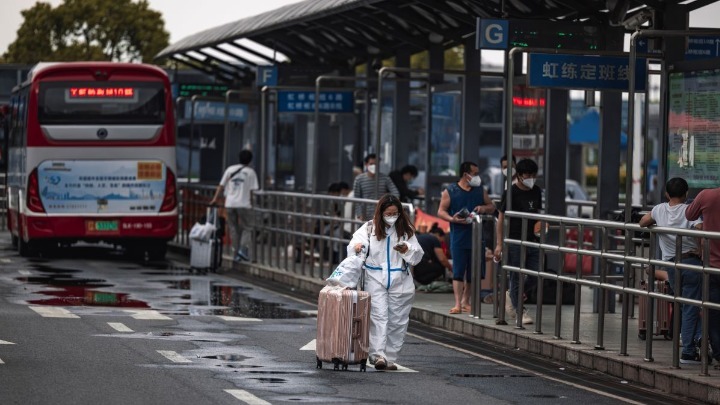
point(492, 34)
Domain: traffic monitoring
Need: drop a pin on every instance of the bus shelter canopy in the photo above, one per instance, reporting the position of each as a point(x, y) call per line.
point(347, 33)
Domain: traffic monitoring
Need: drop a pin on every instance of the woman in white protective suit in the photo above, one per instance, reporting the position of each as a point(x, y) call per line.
point(393, 248)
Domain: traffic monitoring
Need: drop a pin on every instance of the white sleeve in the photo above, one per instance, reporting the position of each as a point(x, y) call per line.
point(253, 180)
point(225, 177)
point(414, 253)
point(360, 236)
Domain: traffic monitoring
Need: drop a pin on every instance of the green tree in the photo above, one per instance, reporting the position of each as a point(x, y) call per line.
point(118, 30)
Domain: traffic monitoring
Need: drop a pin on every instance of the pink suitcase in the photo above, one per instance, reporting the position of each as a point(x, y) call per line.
point(343, 327)
point(662, 324)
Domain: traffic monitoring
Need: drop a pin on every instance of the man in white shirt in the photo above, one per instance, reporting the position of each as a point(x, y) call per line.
point(672, 214)
point(237, 183)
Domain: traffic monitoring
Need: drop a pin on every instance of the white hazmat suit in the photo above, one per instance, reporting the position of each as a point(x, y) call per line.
point(391, 287)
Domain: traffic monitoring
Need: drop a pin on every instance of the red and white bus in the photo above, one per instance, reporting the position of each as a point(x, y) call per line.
point(92, 158)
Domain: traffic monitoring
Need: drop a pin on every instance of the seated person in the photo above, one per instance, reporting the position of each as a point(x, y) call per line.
point(434, 262)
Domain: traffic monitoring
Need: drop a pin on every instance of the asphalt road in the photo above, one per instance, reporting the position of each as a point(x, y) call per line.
point(90, 326)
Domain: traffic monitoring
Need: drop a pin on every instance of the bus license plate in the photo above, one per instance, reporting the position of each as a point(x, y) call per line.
point(102, 226)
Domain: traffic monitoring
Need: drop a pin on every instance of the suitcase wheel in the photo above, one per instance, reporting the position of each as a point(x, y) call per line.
point(319, 363)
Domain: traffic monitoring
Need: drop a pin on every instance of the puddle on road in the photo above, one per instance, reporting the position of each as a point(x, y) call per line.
point(196, 295)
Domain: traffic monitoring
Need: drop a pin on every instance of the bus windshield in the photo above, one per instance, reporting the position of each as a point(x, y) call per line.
point(126, 103)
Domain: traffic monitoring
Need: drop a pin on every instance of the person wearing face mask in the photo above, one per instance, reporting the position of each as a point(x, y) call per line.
point(467, 195)
point(526, 197)
point(392, 249)
point(364, 187)
point(504, 168)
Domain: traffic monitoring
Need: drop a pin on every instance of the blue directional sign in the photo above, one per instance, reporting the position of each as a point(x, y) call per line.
point(214, 112)
point(304, 101)
point(697, 48)
point(584, 72)
point(492, 34)
point(266, 76)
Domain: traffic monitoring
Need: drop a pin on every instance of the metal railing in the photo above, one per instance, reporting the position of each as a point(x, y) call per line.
point(307, 235)
point(610, 251)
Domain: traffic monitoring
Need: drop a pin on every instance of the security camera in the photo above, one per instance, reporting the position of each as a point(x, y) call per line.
point(637, 19)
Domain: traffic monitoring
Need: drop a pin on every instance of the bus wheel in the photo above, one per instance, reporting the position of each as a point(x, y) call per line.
point(25, 249)
point(157, 251)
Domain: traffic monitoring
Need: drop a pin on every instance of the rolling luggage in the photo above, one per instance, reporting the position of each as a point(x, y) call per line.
point(343, 327)
point(662, 322)
point(206, 251)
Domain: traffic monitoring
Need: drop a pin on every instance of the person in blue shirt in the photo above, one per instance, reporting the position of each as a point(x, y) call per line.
point(467, 194)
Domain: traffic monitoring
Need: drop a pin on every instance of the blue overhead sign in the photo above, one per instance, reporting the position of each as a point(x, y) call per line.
point(584, 72)
point(492, 34)
point(214, 112)
point(266, 76)
point(697, 48)
point(304, 101)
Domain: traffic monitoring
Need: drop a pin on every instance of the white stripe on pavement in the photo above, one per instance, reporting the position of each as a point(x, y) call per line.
point(247, 397)
point(148, 315)
point(120, 327)
point(2, 362)
point(54, 312)
point(5, 342)
point(238, 319)
point(310, 312)
point(5, 260)
point(25, 272)
point(400, 369)
point(173, 356)
point(309, 346)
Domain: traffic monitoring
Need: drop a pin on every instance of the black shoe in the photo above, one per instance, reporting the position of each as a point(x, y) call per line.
point(690, 359)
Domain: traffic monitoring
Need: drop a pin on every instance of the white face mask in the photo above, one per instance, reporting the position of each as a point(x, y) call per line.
point(391, 220)
point(475, 181)
point(529, 183)
point(512, 172)
point(371, 169)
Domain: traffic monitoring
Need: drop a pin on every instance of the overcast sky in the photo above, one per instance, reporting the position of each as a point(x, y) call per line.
point(186, 17)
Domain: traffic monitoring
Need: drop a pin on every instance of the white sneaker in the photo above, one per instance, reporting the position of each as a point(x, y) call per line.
point(526, 319)
point(509, 310)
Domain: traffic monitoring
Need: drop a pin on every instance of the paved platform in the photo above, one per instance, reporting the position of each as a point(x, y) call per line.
point(432, 309)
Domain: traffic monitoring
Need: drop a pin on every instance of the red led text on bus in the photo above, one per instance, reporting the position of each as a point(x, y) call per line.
point(106, 92)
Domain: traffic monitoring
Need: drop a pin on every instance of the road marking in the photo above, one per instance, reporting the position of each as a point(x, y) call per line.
point(54, 312)
point(310, 346)
point(5, 260)
point(25, 272)
point(310, 312)
point(148, 315)
point(238, 319)
point(2, 362)
point(120, 327)
point(173, 356)
point(247, 397)
point(5, 342)
point(400, 369)
point(468, 352)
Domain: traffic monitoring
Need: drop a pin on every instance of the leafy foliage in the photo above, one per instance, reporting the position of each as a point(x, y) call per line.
point(117, 30)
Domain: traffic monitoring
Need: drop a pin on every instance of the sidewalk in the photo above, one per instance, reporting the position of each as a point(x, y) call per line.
point(432, 309)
